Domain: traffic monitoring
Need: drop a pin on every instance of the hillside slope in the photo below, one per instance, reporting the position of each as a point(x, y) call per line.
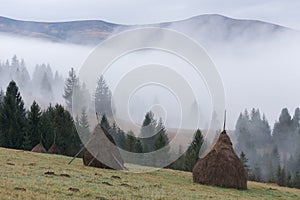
point(23, 177)
point(91, 32)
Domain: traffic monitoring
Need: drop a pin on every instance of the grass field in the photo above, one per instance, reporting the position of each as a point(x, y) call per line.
point(26, 175)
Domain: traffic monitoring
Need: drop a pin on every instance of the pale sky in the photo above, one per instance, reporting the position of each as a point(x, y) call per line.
point(283, 12)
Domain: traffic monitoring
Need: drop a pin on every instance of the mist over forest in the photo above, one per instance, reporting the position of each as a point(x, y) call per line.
point(244, 58)
point(259, 70)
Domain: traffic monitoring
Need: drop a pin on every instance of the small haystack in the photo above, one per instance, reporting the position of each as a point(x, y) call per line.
point(39, 148)
point(54, 149)
point(103, 147)
point(221, 166)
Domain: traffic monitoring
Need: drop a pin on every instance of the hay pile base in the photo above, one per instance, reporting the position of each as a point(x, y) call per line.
point(102, 152)
point(221, 166)
point(54, 149)
point(39, 149)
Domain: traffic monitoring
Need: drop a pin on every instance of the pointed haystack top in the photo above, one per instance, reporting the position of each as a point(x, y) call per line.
point(54, 149)
point(39, 148)
point(102, 151)
point(221, 166)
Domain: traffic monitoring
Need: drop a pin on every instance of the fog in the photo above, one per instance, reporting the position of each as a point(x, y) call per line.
point(259, 69)
point(61, 56)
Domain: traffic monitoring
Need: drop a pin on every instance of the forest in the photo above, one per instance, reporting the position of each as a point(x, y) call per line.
point(269, 154)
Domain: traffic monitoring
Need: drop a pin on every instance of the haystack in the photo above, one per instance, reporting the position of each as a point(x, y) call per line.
point(221, 166)
point(102, 152)
point(54, 149)
point(39, 148)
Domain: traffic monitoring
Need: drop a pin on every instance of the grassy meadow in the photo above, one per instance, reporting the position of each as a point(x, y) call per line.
point(27, 175)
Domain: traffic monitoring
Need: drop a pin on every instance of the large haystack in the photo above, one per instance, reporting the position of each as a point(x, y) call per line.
point(54, 149)
point(103, 147)
point(39, 148)
point(221, 166)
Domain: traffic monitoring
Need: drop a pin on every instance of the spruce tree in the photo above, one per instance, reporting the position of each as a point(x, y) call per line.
point(66, 135)
point(105, 124)
point(12, 118)
point(283, 131)
point(47, 129)
point(33, 127)
point(71, 84)
point(103, 98)
point(148, 132)
point(130, 142)
point(120, 138)
point(84, 126)
point(192, 154)
point(138, 146)
point(161, 142)
point(162, 138)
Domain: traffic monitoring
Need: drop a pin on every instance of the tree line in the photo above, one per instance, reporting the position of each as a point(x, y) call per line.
point(270, 155)
point(23, 129)
point(47, 85)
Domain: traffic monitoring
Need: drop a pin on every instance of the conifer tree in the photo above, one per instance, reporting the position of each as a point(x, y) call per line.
point(148, 132)
point(47, 129)
point(105, 124)
point(33, 136)
point(71, 84)
point(103, 98)
point(12, 118)
point(192, 154)
point(84, 126)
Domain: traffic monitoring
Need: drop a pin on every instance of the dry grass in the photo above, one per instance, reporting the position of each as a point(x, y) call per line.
point(23, 177)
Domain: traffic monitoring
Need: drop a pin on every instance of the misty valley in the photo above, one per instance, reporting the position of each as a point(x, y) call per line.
point(73, 136)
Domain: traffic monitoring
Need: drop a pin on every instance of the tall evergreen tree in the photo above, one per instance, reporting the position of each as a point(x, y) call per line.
point(133, 144)
point(71, 84)
point(67, 138)
point(103, 98)
point(161, 142)
point(104, 122)
point(192, 154)
point(162, 138)
point(33, 136)
point(48, 130)
point(12, 118)
point(130, 142)
point(84, 126)
point(148, 132)
point(283, 131)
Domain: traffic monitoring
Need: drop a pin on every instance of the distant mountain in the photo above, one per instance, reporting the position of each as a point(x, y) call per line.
point(91, 32)
point(78, 32)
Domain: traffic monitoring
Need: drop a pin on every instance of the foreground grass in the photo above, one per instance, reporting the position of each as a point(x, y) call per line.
point(23, 177)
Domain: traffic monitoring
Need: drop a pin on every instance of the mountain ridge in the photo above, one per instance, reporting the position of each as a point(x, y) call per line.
point(91, 32)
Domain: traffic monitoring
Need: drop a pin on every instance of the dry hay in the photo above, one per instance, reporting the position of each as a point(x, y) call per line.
point(39, 149)
point(102, 151)
point(221, 166)
point(54, 149)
